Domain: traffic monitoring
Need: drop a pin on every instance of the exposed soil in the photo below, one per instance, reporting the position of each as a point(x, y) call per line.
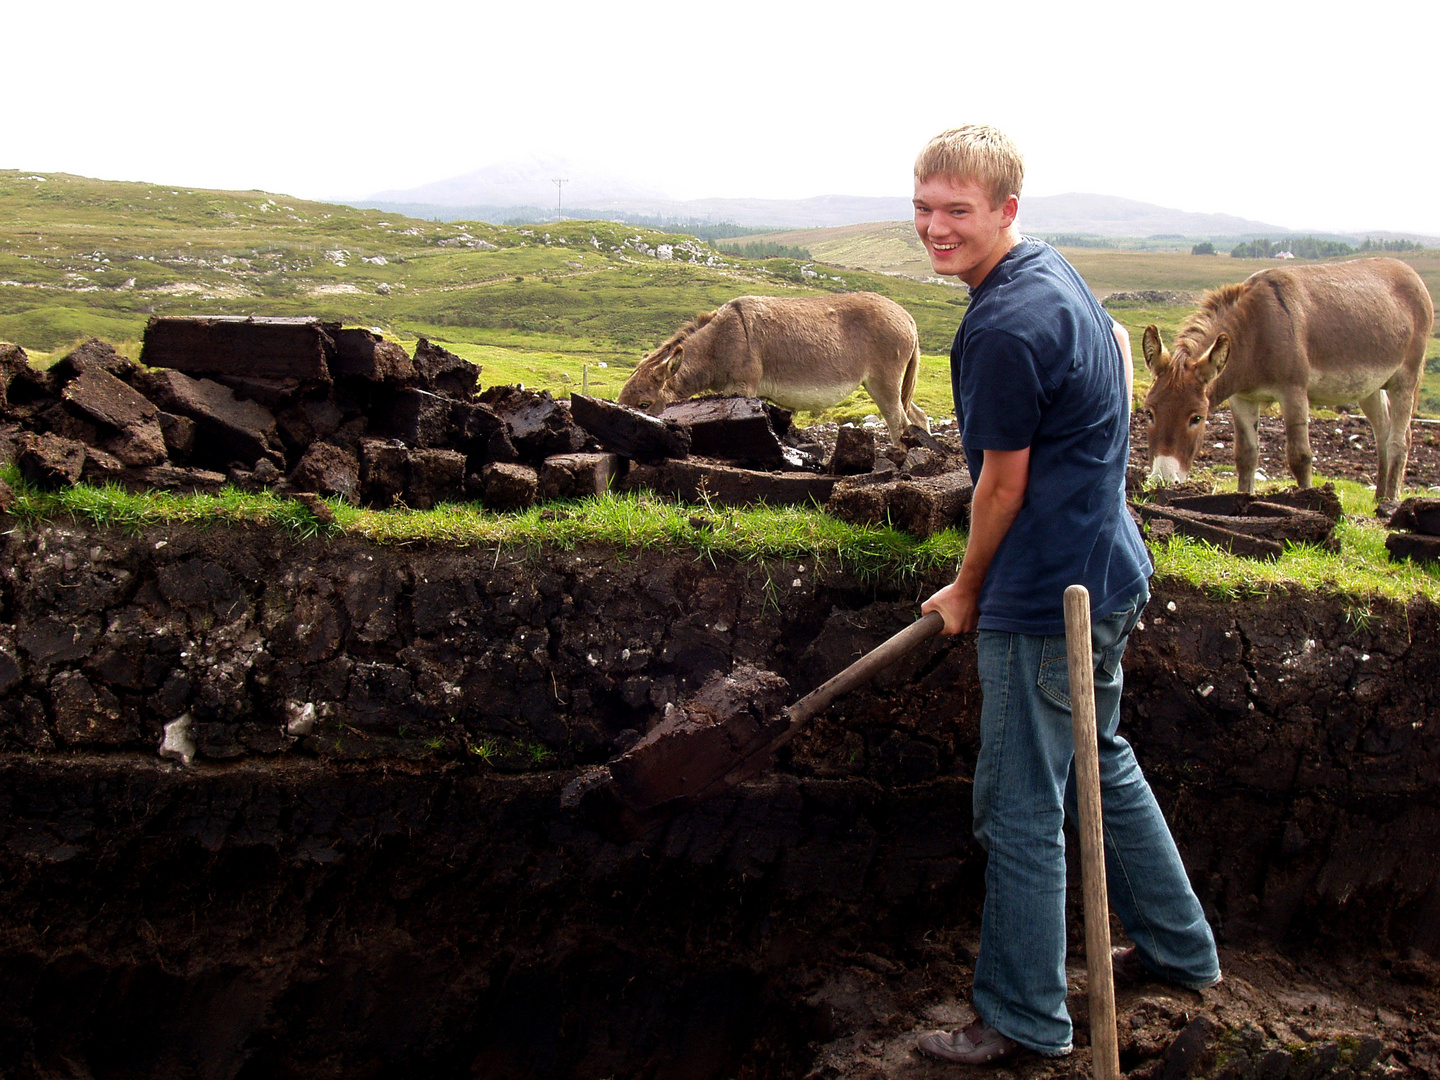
point(366, 869)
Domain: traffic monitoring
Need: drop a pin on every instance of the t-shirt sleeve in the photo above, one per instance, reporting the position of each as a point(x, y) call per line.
point(1002, 391)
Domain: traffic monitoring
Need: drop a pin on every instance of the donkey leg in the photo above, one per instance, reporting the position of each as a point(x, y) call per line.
point(916, 416)
point(886, 396)
point(1402, 406)
point(1295, 408)
point(1376, 408)
point(1245, 419)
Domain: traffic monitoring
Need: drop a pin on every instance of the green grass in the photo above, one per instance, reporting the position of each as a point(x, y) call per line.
point(633, 522)
point(1360, 570)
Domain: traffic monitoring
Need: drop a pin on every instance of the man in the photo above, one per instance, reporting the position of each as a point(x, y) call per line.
point(1041, 397)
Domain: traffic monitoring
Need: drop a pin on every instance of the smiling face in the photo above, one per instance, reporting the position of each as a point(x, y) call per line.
point(963, 231)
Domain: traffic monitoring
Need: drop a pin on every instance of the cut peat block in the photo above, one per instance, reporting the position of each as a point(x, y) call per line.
point(1256, 526)
point(920, 506)
point(49, 461)
point(226, 428)
point(538, 425)
point(689, 755)
point(1418, 515)
point(698, 480)
point(1320, 500)
point(418, 418)
point(1417, 547)
point(259, 348)
point(854, 453)
point(1211, 529)
point(442, 372)
point(510, 486)
point(1422, 542)
point(738, 429)
point(365, 355)
point(629, 431)
point(575, 476)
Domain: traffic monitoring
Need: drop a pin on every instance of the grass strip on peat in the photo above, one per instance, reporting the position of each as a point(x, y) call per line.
point(634, 522)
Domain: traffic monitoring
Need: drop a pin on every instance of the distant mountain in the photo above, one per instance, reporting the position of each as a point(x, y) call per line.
point(1109, 215)
point(525, 183)
point(526, 189)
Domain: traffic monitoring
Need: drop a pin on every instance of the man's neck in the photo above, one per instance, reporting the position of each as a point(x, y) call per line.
point(1007, 239)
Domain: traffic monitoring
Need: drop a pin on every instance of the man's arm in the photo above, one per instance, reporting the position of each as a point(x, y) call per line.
point(1127, 362)
point(999, 495)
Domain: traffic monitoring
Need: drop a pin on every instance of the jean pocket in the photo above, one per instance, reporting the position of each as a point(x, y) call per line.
point(1053, 679)
point(1109, 638)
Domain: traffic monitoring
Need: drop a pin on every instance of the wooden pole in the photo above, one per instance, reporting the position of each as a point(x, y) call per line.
point(1104, 1044)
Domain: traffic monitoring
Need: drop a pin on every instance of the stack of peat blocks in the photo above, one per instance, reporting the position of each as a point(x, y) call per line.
point(299, 405)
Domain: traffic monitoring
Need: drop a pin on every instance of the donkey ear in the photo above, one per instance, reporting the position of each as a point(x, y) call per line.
point(1213, 362)
point(1151, 347)
point(677, 358)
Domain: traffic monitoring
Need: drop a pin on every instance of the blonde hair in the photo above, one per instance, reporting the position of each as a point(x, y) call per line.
point(976, 152)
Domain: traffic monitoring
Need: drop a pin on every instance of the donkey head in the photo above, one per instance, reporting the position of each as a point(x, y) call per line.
point(647, 386)
point(1178, 403)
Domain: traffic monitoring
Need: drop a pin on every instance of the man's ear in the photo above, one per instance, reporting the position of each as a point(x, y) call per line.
point(1011, 208)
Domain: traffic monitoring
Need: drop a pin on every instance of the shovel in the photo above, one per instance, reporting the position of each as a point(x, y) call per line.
point(728, 732)
point(1104, 1044)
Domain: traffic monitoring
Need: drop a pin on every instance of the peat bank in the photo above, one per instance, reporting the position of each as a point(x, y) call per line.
point(353, 859)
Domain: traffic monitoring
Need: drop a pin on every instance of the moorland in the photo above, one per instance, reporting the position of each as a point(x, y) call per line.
point(556, 305)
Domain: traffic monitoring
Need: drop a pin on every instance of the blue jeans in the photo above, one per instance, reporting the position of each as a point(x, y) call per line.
point(1024, 787)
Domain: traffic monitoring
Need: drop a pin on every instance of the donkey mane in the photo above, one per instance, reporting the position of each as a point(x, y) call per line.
point(662, 354)
point(1200, 328)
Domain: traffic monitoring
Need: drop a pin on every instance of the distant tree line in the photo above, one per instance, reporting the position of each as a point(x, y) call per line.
point(1371, 244)
point(1310, 247)
point(1302, 247)
point(764, 250)
point(1077, 240)
point(722, 230)
point(1207, 248)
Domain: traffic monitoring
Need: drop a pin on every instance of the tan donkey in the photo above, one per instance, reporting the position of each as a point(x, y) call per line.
point(1332, 334)
point(804, 352)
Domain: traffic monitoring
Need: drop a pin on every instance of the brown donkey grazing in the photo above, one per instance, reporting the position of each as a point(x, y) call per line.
point(804, 352)
point(1332, 334)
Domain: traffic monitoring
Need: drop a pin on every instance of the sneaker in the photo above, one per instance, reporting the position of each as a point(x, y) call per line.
point(977, 1044)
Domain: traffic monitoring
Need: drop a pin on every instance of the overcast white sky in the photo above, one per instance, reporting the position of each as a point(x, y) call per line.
point(1272, 111)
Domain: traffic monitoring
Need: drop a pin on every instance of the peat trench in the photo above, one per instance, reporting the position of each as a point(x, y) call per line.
point(364, 869)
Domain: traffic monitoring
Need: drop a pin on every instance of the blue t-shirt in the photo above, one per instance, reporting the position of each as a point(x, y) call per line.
point(1035, 363)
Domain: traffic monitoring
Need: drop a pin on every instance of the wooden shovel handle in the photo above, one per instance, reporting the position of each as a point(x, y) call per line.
point(1104, 1044)
point(859, 673)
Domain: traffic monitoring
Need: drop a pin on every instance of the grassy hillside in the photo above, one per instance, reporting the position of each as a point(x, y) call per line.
point(553, 306)
point(546, 306)
point(891, 247)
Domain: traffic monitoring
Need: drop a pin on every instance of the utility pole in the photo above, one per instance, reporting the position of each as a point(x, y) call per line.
point(559, 189)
